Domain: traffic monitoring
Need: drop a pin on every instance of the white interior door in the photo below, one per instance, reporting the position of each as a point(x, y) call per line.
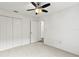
point(35, 31)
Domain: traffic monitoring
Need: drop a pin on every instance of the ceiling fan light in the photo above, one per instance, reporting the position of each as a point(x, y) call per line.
point(38, 11)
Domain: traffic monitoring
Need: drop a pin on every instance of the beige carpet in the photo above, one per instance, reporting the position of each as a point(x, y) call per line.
point(35, 50)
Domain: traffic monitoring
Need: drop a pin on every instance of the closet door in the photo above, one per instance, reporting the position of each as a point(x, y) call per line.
point(9, 34)
point(14, 32)
point(5, 32)
point(20, 33)
point(17, 32)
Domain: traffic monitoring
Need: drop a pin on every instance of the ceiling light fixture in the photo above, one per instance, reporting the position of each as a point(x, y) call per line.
point(38, 10)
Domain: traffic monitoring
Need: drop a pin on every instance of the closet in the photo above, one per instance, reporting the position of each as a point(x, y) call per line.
point(21, 31)
point(13, 32)
point(18, 31)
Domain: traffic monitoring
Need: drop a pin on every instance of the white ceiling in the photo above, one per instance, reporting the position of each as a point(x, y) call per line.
point(23, 6)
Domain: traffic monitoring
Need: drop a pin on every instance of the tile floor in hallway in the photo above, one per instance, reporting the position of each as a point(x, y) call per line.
point(35, 50)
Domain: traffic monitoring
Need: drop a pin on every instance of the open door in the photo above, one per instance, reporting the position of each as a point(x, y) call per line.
point(35, 31)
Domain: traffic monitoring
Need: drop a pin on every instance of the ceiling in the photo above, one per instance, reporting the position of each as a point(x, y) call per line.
point(23, 6)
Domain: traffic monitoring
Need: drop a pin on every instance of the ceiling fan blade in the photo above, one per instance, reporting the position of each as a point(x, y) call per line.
point(46, 5)
point(44, 10)
point(34, 4)
point(30, 9)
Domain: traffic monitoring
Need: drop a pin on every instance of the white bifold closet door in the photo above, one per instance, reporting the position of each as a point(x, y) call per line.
point(13, 32)
point(16, 32)
point(21, 32)
point(5, 33)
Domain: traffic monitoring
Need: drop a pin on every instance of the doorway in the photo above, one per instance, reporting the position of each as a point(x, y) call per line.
point(35, 32)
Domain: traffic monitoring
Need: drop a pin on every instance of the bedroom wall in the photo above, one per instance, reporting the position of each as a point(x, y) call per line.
point(62, 29)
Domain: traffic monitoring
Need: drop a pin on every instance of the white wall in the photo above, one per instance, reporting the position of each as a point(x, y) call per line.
point(62, 30)
point(14, 30)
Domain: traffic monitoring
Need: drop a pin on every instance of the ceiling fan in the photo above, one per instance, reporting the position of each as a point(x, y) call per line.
point(38, 8)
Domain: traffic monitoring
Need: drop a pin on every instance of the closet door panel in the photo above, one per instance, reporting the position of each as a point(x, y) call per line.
point(9, 33)
point(21, 32)
point(17, 32)
point(5, 33)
